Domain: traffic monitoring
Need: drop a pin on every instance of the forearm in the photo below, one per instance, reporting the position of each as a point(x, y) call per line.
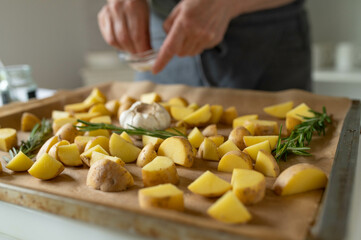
point(249, 6)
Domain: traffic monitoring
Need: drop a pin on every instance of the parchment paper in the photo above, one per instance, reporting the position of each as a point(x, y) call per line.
point(274, 218)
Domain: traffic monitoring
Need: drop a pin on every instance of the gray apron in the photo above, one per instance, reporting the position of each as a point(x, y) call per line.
point(267, 50)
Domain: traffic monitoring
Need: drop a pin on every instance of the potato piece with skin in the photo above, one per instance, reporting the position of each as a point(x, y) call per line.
point(179, 113)
point(108, 176)
point(85, 156)
point(218, 139)
point(178, 149)
point(96, 96)
point(208, 150)
point(199, 117)
point(81, 142)
point(234, 159)
point(248, 185)
point(122, 149)
point(239, 121)
point(100, 109)
point(210, 130)
point(100, 140)
point(46, 167)
point(209, 185)
point(159, 171)
point(126, 137)
point(8, 139)
point(101, 119)
point(295, 116)
point(236, 136)
point(20, 163)
point(55, 114)
point(165, 196)
point(266, 164)
point(279, 110)
point(87, 116)
point(195, 137)
point(77, 107)
point(67, 132)
point(253, 150)
point(47, 146)
point(58, 123)
point(146, 155)
point(300, 178)
point(53, 152)
point(264, 127)
point(252, 140)
point(193, 106)
point(69, 155)
point(153, 140)
point(227, 146)
point(216, 113)
point(97, 133)
point(28, 121)
point(178, 101)
point(96, 156)
point(229, 115)
point(112, 106)
point(229, 209)
point(150, 97)
point(177, 129)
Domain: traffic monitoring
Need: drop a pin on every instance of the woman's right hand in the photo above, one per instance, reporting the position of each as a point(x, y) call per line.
point(124, 24)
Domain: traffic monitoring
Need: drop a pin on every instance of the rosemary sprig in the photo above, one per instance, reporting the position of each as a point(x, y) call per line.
point(301, 136)
point(88, 126)
point(38, 136)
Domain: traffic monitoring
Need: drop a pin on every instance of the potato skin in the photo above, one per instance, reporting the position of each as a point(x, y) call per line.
point(184, 146)
point(108, 176)
point(236, 136)
point(146, 155)
point(210, 130)
point(67, 132)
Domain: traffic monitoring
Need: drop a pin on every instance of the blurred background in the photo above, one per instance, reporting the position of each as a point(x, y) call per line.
point(61, 42)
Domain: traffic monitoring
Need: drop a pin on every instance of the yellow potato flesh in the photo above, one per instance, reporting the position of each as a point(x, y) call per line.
point(229, 115)
point(227, 146)
point(53, 152)
point(28, 121)
point(199, 117)
point(234, 159)
point(252, 140)
point(150, 97)
point(100, 109)
point(55, 114)
point(47, 146)
point(20, 163)
point(263, 127)
point(153, 140)
point(165, 196)
point(178, 149)
point(100, 140)
point(8, 139)
point(99, 132)
point(81, 142)
point(253, 150)
point(96, 148)
point(279, 110)
point(96, 96)
point(159, 171)
point(179, 113)
point(69, 155)
point(77, 107)
point(112, 106)
point(216, 113)
point(96, 156)
point(300, 178)
point(209, 185)
point(229, 209)
point(126, 137)
point(58, 123)
point(218, 139)
point(248, 185)
point(101, 119)
point(239, 121)
point(195, 137)
point(193, 106)
point(46, 167)
point(87, 116)
point(178, 101)
point(267, 164)
point(208, 150)
point(295, 116)
point(122, 149)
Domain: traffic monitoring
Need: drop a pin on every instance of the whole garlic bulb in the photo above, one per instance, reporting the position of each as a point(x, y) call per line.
point(148, 116)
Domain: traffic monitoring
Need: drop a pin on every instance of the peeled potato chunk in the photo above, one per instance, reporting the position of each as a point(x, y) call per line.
point(229, 209)
point(300, 178)
point(108, 176)
point(69, 155)
point(209, 185)
point(253, 150)
point(216, 112)
point(178, 149)
point(199, 117)
point(234, 159)
point(218, 139)
point(154, 140)
point(229, 115)
point(179, 113)
point(46, 167)
point(126, 137)
point(226, 147)
point(195, 137)
point(28, 121)
point(239, 121)
point(96, 96)
point(101, 119)
point(86, 156)
point(20, 163)
point(150, 97)
point(59, 122)
point(165, 196)
point(252, 140)
point(122, 149)
point(8, 139)
point(53, 152)
point(100, 140)
point(178, 101)
point(248, 185)
point(208, 150)
point(295, 116)
point(279, 110)
point(266, 164)
point(96, 156)
point(160, 170)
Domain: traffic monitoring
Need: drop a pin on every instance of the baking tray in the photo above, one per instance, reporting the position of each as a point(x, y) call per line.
point(330, 223)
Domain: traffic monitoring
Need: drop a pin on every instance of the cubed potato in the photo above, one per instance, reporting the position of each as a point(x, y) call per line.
point(264, 127)
point(108, 176)
point(179, 113)
point(67, 132)
point(87, 115)
point(216, 114)
point(159, 171)
point(8, 139)
point(20, 163)
point(58, 123)
point(266, 164)
point(229, 209)
point(208, 150)
point(153, 140)
point(96, 156)
point(210, 130)
point(218, 139)
point(295, 116)
point(253, 150)
point(126, 137)
point(279, 110)
point(100, 140)
point(122, 149)
point(53, 152)
point(81, 142)
point(235, 159)
point(151, 97)
point(96, 96)
point(47, 146)
point(199, 117)
point(178, 149)
point(237, 135)
point(209, 185)
point(248, 185)
point(165, 196)
point(195, 137)
point(86, 156)
point(28, 121)
point(97, 133)
point(250, 126)
point(239, 121)
point(178, 101)
point(77, 107)
point(100, 109)
point(69, 155)
point(46, 167)
point(229, 115)
point(226, 147)
point(300, 178)
point(102, 119)
point(193, 106)
point(55, 114)
point(147, 154)
point(112, 106)
point(252, 140)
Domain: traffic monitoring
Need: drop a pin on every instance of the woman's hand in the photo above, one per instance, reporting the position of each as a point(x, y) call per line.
point(192, 27)
point(124, 24)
